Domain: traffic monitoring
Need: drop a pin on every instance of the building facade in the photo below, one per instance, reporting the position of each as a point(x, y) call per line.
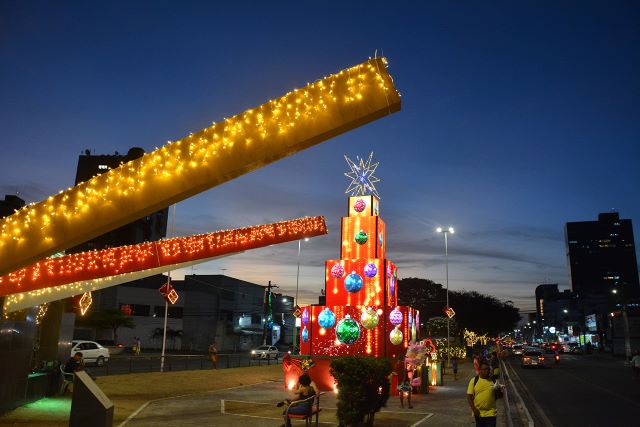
point(210, 308)
point(601, 256)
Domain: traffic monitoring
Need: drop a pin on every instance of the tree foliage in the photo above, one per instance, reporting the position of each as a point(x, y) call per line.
point(113, 319)
point(363, 388)
point(437, 327)
point(474, 311)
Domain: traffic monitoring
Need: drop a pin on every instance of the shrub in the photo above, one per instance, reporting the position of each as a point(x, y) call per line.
point(363, 388)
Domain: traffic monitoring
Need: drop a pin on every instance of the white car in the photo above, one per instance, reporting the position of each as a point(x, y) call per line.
point(92, 352)
point(265, 352)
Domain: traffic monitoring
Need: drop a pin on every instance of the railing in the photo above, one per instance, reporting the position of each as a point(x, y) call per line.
point(122, 364)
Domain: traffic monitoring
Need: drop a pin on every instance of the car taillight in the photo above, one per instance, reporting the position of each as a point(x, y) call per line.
point(527, 358)
point(541, 358)
point(120, 346)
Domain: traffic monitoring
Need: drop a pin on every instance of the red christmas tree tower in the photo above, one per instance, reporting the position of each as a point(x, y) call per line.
point(361, 315)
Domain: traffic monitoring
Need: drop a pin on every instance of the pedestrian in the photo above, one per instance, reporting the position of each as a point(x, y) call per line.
point(454, 366)
point(494, 363)
point(138, 346)
point(476, 363)
point(213, 355)
point(404, 389)
point(76, 364)
point(301, 391)
point(481, 396)
point(635, 365)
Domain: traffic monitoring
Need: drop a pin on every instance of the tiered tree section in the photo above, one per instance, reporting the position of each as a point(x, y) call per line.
point(361, 316)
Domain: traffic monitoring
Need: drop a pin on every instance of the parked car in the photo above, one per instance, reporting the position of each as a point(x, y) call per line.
point(92, 352)
point(517, 349)
point(533, 358)
point(112, 346)
point(265, 352)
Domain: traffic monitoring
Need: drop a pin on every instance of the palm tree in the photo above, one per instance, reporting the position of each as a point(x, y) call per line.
point(113, 319)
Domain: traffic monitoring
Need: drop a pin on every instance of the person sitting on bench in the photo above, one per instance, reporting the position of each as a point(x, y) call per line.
point(303, 390)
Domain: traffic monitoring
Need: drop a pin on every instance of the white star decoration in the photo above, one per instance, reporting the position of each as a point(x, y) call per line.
point(362, 179)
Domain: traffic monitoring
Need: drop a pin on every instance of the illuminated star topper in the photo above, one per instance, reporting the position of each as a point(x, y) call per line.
point(361, 175)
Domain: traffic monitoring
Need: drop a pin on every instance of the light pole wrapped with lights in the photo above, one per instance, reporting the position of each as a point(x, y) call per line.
point(447, 231)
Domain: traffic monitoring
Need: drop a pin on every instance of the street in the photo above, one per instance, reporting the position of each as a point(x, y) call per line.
point(582, 390)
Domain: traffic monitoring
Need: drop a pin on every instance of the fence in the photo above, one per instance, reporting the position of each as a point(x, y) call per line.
point(122, 364)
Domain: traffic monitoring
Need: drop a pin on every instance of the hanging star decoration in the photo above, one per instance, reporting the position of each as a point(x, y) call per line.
point(361, 175)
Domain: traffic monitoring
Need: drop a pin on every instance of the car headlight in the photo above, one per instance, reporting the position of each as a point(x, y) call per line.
point(253, 352)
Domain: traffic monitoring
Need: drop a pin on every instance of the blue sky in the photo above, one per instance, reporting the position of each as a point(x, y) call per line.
point(517, 117)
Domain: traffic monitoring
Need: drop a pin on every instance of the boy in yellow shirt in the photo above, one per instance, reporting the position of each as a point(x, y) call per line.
point(481, 396)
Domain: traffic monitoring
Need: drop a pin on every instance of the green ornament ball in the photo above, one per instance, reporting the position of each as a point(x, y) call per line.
point(347, 330)
point(369, 318)
point(396, 336)
point(361, 237)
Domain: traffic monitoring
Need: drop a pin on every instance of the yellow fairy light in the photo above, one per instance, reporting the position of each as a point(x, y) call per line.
point(113, 199)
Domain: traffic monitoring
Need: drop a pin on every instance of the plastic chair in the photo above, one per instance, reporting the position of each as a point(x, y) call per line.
point(315, 410)
point(67, 378)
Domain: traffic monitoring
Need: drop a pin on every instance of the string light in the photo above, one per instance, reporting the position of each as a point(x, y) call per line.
point(56, 278)
point(204, 159)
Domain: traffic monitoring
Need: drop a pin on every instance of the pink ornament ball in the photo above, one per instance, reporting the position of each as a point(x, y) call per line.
point(359, 205)
point(395, 317)
point(337, 271)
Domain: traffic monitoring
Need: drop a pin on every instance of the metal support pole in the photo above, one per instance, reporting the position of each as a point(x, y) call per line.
point(295, 302)
point(446, 263)
point(166, 304)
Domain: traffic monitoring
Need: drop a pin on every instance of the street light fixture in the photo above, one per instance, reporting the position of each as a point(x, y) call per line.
point(295, 327)
point(447, 231)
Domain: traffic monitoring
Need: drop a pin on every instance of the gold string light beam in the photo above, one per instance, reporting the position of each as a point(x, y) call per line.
point(55, 278)
point(202, 160)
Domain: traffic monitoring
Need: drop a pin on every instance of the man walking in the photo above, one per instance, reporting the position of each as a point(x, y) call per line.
point(481, 396)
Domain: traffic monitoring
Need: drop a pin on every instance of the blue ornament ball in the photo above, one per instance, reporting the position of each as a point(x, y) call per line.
point(305, 334)
point(326, 318)
point(353, 282)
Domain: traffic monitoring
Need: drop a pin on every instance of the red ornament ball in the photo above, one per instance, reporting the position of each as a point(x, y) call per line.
point(359, 205)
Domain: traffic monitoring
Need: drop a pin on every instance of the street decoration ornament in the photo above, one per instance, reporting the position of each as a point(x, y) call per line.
point(396, 336)
point(395, 317)
point(168, 293)
point(369, 318)
point(85, 302)
point(337, 271)
point(202, 160)
point(449, 312)
point(353, 282)
point(326, 318)
point(362, 178)
point(347, 330)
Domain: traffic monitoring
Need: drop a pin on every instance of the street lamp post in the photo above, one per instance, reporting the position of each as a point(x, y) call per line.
point(446, 263)
point(295, 328)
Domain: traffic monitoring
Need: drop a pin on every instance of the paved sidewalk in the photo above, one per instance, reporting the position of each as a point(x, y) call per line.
point(254, 405)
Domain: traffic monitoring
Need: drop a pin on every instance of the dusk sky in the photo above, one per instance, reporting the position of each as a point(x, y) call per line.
point(516, 118)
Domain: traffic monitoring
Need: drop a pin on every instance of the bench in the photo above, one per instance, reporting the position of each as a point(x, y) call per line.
point(66, 377)
point(315, 410)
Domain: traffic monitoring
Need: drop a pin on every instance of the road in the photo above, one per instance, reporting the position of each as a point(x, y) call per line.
point(582, 390)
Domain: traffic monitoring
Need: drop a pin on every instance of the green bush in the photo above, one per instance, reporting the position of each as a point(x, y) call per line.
point(363, 388)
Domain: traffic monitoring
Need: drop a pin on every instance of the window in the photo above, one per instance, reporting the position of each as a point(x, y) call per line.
point(172, 312)
point(136, 309)
point(103, 167)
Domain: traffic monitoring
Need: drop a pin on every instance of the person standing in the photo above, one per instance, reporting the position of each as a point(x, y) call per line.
point(481, 396)
point(213, 355)
point(635, 365)
point(494, 363)
point(138, 346)
point(454, 366)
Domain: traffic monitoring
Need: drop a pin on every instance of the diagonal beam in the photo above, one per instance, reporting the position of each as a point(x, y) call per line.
point(212, 156)
point(56, 278)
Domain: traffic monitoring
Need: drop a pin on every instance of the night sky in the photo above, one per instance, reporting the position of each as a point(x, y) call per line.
point(517, 117)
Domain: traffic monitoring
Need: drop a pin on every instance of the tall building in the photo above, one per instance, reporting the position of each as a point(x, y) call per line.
point(10, 204)
point(602, 257)
point(149, 228)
